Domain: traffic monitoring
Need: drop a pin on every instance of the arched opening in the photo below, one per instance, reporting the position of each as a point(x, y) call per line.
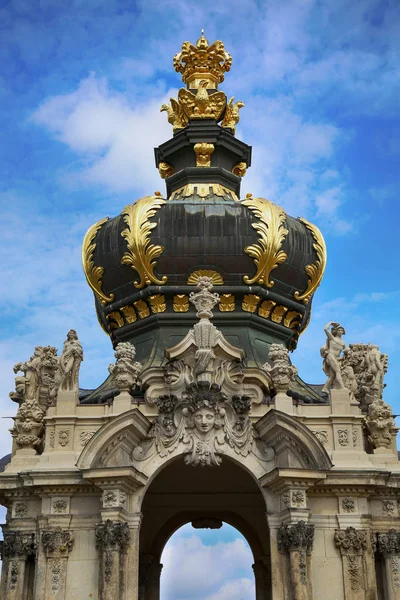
point(181, 495)
point(215, 561)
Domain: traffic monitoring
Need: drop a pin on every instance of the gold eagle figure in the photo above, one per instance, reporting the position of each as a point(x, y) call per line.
point(202, 105)
point(176, 115)
point(231, 117)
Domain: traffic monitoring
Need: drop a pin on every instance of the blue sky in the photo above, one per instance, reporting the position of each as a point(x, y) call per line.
point(81, 84)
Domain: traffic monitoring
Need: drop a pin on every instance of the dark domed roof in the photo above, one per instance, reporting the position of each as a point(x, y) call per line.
point(143, 264)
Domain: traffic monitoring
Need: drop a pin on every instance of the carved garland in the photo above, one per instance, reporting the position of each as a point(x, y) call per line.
point(141, 253)
point(316, 270)
point(267, 254)
point(94, 274)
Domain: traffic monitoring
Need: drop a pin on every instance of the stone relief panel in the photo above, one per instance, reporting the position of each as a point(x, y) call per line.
point(203, 411)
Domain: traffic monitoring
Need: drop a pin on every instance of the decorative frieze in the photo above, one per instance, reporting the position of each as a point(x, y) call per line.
point(294, 499)
point(59, 505)
point(63, 437)
point(343, 437)
point(389, 507)
point(113, 498)
point(20, 509)
point(348, 505)
point(321, 435)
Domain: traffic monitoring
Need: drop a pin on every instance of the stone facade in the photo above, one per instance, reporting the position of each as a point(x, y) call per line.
point(211, 423)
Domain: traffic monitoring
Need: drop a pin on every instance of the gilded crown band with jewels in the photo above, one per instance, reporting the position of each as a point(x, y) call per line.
point(202, 67)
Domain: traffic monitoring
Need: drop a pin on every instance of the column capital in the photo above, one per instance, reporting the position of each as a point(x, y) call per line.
point(388, 543)
point(112, 535)
point(57, 542)
point(298, 536)
point(18, 544)
point(351, 541)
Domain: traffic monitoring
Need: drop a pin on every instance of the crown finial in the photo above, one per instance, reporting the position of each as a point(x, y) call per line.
point(202, 62)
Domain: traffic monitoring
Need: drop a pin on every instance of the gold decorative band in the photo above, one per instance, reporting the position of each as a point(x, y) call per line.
point(203, 190)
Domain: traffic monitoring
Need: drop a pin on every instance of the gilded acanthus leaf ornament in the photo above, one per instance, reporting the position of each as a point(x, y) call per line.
point(94, 274)
point(316, 270)
point(267, 253)
point(141, 254)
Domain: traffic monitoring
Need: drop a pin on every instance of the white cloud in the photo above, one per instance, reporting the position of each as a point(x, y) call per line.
point(115, 138)
point(227, 565)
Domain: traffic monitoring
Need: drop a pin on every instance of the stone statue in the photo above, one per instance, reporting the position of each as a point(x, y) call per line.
point(281, 371)
point(368, 366)
point(204, 331)
point(126, 370)
point(70, 362)
point(380, 424)
point(375, 365)
point(29, 384)
point(331, 354)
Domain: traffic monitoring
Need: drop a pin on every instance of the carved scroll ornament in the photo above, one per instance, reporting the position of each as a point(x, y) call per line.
point(141, 254)
point(94, 274)
point(267, 253)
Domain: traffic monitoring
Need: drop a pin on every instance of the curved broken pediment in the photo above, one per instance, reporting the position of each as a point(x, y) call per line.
point(294, 444)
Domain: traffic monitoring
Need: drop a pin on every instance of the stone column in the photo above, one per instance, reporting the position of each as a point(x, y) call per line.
point(57, 544)
point(262, 577)
point(112, 540)
point(132, 558)
point(296, 540)
point(388, 545)
point(149, 577)
point(17, 548)
point(352, 544)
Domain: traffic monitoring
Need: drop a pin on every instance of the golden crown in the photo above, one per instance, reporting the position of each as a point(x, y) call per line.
point(202, 62)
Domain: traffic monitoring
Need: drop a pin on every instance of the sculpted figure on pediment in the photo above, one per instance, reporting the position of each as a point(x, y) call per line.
point(331, 354)
point(368, 365)
point(70, 362)
point(38, 379)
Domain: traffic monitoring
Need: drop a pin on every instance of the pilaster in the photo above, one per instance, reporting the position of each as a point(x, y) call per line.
point(17, 548)
point(352, 544)
point(296, 540)
point(57, 544)
point(388, 545)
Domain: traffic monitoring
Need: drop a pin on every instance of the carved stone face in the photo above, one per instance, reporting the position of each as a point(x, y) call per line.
point(204, 420)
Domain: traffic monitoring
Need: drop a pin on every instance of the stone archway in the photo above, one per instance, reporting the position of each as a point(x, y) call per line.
point(206, 497)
